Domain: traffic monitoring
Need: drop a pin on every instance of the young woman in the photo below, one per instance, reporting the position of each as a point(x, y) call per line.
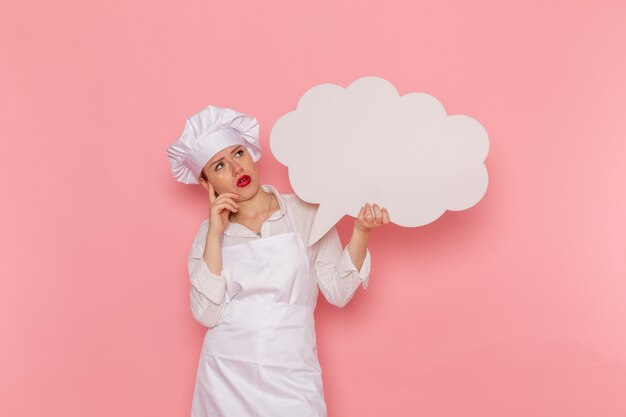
point(254, 281)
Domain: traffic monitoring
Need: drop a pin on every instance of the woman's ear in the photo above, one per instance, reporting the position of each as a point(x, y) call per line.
point(203, 183)
point(206, 186)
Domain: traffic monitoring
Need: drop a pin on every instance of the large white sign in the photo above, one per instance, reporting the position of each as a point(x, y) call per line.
point(365, 143)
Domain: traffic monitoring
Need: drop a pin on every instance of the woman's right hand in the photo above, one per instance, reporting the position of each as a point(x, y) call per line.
point(221, 207)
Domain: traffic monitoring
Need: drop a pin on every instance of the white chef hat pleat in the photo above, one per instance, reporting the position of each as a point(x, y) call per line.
point(205, 134)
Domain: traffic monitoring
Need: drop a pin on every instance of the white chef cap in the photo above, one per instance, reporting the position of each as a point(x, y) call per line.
point(208, 132)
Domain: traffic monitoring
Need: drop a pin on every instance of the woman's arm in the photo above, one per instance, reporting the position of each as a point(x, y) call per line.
point(369, 217)
point(337, 276)
point(212, 254)
point(205, 259)
point(339, 273)
point(357, 247)
point(207, 288)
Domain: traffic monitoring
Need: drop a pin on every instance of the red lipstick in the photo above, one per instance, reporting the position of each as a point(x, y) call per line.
point(243, 181)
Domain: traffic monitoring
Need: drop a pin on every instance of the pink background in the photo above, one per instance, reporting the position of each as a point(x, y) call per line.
point(516, 307)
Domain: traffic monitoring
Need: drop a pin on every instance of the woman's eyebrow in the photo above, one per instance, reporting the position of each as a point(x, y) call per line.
point(233, 151)
point(219, 160)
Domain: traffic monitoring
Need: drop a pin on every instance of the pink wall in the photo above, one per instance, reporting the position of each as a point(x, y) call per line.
point(516, 307)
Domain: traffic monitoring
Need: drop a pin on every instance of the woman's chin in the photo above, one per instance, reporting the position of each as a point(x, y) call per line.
point(249, 191)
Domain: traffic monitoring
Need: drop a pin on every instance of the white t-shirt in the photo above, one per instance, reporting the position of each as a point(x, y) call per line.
point(330, 265)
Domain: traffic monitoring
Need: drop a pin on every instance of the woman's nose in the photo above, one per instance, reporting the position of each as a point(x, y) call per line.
point(236, 168)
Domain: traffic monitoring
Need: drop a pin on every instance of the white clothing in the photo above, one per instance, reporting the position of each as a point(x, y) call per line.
point(330, 266)
point(260, 357)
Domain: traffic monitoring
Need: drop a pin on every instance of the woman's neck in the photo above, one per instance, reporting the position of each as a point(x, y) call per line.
point(257, 206)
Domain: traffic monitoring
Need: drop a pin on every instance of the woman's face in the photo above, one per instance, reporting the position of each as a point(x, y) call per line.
point(232, 170)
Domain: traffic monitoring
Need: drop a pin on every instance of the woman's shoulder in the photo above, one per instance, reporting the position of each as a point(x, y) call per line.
point(203, 229)
point(292, 200)
point(303, 214)
point(300, 206)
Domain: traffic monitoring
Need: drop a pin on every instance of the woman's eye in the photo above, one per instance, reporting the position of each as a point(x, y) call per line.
point(239, 152)
point(218, 166)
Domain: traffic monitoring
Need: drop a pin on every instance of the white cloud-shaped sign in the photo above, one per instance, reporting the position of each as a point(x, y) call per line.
point(365, 143)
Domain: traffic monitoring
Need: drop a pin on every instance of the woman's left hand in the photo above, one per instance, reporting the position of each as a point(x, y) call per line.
point(371, 216)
